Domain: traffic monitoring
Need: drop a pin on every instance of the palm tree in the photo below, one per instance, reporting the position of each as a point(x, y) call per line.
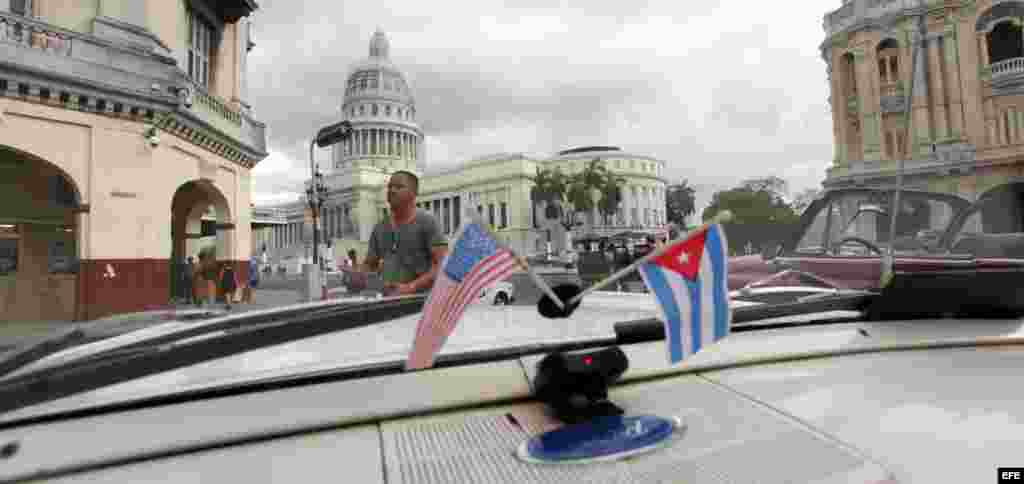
point(567, 195)
point(680, 203)
point(549, 186)
point(597, 187)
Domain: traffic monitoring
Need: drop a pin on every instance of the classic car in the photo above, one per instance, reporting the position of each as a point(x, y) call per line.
point(845, 232)
point(810, 393)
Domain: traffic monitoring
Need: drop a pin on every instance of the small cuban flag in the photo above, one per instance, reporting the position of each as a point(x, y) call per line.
point(688, 281)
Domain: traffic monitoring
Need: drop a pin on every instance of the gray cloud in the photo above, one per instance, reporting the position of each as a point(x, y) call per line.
point(722, 92)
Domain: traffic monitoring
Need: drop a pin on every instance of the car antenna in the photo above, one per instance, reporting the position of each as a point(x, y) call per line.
point(889, 259)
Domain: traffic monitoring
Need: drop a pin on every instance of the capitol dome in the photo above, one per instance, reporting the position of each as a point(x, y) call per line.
point(379, 104)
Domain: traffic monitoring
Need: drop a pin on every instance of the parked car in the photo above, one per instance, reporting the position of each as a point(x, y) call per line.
point(844, 233)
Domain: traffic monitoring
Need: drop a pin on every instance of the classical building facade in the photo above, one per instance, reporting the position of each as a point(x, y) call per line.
point(967, 111)
point(123, 123)
point(379, 103)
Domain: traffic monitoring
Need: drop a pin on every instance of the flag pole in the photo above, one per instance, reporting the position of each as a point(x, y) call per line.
point(537, 280)
point(521, 260)
point(721, 217)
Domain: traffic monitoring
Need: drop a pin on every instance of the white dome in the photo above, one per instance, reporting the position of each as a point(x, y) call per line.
point(375, 77)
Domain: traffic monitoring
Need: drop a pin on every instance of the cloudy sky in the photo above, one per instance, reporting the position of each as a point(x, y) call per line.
point(722, 92)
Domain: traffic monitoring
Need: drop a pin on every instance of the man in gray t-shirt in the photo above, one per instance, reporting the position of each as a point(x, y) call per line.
point(408, 249)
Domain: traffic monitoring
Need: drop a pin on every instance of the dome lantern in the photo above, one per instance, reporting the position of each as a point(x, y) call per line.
point(379, 44)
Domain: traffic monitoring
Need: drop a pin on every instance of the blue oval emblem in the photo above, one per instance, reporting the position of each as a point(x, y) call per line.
point(602, 438)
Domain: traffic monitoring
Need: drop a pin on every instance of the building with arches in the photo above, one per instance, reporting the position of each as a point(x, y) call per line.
point(380, 105)
point(967, 111)
point(123, 126)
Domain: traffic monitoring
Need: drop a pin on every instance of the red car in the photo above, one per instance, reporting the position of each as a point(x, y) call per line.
point(844, 233)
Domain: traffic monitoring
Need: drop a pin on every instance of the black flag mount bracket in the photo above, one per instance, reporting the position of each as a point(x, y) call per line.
point(574, 385)
point(547, 307)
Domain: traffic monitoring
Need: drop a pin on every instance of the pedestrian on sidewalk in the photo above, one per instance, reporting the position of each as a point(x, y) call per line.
point(254, 272)
point(229, 284)
point(186, 281)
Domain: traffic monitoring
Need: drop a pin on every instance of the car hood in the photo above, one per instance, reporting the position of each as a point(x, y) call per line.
point(930, 415)
point(482, 328)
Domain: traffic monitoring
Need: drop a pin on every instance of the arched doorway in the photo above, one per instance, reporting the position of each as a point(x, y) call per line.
point(200, 225)
point(39, 243)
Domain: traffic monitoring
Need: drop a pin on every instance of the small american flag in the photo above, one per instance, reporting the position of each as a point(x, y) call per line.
point(474, 262)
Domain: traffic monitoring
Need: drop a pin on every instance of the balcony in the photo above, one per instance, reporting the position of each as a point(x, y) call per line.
point(43, 63)
point(944, 158)
point(216, 113)
point(855, 12)
point(1007, 73)
point(269, 216)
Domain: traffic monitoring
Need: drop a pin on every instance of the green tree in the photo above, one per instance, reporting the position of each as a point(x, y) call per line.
point(770, 184)
point(567, 195)
point(680, 202)
point(760, 216)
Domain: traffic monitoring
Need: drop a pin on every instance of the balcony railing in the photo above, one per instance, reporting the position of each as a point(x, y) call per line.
point(212, 103)
point(33, 34)
point(1007, 68)
point(855, 11)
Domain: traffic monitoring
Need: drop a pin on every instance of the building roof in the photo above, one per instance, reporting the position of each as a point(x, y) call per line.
point(376, 65)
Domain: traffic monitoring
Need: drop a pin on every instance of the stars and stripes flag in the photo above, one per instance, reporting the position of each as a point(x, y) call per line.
point(474, 261)
point(688, 281)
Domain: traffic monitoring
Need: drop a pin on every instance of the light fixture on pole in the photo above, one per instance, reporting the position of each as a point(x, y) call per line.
point(316, 193)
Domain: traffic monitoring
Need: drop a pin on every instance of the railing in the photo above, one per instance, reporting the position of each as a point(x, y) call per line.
point(855, 11)
point(33, 34)
point(1007, 67)
point(275, 214)
point(202, 98)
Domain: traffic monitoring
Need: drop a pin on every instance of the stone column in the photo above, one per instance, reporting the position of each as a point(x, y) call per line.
point(840, 110)
point(986, 60)
point(938, 91)
point(954, 88)
point(870, 103)
point(919, 104)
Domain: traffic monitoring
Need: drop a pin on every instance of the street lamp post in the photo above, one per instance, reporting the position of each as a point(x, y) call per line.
point(316, 193)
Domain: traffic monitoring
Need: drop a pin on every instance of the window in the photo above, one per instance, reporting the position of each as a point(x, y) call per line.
point(387, 110)
point(504, 214)
point(480, 210)
point(457, 211)
point(490, 211)
point(447, 219)
point(374, 109)
point(362, 109)
point(200, 49)
point(21, 7)
point(813, 240)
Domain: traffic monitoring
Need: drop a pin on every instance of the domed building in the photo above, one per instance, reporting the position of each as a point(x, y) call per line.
point(379, 103)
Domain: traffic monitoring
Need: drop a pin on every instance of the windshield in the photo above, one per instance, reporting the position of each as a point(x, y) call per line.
point(271, 161)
